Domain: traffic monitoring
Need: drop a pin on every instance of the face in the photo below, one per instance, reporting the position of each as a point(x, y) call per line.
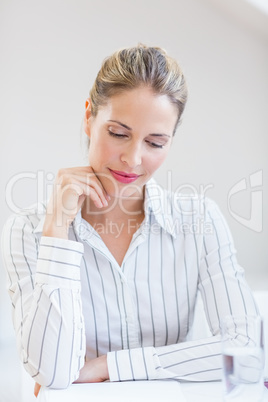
point(129, 139)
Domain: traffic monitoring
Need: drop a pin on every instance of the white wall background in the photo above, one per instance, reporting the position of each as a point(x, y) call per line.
point(50, 53)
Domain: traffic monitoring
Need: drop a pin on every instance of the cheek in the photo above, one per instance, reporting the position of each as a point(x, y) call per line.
point(154, 162)
point(109, 154)
point(101, 151)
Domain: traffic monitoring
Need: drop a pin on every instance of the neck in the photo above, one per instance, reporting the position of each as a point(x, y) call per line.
point(118, 209)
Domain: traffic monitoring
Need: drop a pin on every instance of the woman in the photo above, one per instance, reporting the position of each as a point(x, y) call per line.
point(104, 281)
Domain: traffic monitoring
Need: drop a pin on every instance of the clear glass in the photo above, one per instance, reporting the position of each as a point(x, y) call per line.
point(243, 358)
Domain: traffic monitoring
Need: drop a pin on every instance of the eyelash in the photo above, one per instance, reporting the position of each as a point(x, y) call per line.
point(116, 135)
point(152, 144)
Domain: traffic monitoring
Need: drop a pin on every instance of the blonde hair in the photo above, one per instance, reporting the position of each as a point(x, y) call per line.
point(130, 68)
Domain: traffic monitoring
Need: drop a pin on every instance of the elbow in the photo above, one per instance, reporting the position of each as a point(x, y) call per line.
point(52, 366)
point(57, 383)
point(55, 377)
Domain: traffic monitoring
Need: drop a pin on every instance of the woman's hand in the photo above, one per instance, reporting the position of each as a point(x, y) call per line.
point(95, 370)
point(71, 187)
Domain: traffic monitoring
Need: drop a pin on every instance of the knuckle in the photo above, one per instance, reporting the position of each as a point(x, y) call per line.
point(66, 179)
point(61, 172)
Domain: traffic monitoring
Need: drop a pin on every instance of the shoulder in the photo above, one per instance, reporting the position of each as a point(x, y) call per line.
point(184, 213)
point(162, 200)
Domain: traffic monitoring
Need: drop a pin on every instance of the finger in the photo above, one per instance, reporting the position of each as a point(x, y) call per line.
point(99, 190)
point(89, 178)
point(81, 201)
point(79, 188)
point(100, 183)
point(93, 180)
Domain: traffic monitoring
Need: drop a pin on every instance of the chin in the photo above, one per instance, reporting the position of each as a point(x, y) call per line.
point(123, 191)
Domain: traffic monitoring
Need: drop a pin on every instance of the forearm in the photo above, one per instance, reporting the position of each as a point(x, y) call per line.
point(193, 361)
point(49, 326)
point(198, 360)
point(52, 342)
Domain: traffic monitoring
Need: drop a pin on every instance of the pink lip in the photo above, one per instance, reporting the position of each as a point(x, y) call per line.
point(124, 177)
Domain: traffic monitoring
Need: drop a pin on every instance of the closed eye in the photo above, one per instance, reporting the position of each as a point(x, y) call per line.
point(154, 145)
point(150, 143)
point(116, 135)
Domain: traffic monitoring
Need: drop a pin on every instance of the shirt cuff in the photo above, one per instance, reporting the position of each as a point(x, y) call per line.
point(58, 262)
point(133, 364)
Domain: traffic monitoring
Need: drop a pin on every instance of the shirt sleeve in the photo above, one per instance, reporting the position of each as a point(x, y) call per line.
point(224, 291)
point(44, 287)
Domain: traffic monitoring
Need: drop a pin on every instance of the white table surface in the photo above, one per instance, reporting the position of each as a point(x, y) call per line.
point(138, 391)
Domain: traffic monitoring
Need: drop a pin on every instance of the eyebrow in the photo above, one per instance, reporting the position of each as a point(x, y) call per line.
point(121, 124)
point(130, 129)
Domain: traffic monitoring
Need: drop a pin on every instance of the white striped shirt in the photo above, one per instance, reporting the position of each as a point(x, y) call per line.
point(72, 301)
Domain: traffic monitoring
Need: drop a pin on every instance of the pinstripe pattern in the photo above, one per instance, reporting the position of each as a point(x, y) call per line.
point(63, 248)
point(145, 365)
point(73, 301)
point(186, 274)
point(230, 241)
point(118, 307)
point(72, 348)
point(105, 301)
point(191, 360)
point(213, 290)
point(58, 342)
point(187, 348)
point(176, 294)
point(220, 264)
point(162, 286)
point(42, 342)
point(32, 324)
point(81, 357)
point(58, 262)
point(24, 255)
point(17, 274)
point(129, 351)
point(149, 283)
point(117, 367)
point(126, 317)
point(94, 313)
point(35, 238)
point(137, 298)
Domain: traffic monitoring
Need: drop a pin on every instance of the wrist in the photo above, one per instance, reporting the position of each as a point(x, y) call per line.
point(52, 230)
point(95, 370)
point(105, 368)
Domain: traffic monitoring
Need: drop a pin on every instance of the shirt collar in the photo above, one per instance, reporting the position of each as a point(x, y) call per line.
point(83, 229)
point(157, 203)
point(40, 225)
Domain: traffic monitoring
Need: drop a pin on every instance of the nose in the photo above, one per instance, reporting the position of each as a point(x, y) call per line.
point(132, 155)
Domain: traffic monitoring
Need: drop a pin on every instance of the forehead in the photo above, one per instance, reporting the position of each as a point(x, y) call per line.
point(140, 106)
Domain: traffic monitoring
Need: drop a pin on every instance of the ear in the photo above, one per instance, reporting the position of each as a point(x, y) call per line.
point(87, 117)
